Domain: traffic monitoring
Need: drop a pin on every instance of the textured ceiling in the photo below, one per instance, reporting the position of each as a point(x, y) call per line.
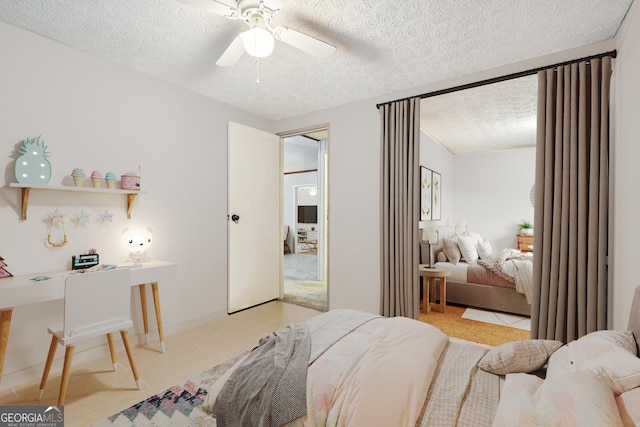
point(382, 45)
point(494, 117)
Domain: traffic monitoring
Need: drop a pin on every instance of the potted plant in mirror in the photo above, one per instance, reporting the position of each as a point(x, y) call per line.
point(525, 228)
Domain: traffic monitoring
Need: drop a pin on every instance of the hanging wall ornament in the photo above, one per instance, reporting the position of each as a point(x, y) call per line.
point(106, 216)
point(32, 167)
point(82, 217)
point(57, 218)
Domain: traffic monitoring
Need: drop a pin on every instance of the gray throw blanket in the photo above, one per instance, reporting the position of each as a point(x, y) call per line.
point(269, 387)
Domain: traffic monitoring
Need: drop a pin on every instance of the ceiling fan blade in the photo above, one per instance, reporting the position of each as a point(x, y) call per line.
point(215, 7)
point(304, 42)
point(232, 54)
point(274, 4)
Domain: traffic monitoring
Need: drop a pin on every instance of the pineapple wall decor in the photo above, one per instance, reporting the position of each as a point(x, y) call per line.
point(33, 167)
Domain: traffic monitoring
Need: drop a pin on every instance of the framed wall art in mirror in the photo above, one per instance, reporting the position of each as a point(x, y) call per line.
point(425, 193)
point(436, 193)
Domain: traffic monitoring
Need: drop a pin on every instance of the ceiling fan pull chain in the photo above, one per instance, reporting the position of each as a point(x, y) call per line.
point(257, 72)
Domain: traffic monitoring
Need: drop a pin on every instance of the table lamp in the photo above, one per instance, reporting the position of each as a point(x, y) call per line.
point(430, 235)
point(461, 226)
point(137, 241)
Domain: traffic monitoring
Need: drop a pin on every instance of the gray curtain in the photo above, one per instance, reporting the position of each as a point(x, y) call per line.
point(400, 140)
point(571, 202)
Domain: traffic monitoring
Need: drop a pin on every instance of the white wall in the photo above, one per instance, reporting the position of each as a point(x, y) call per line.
point(491, 191)
point(625, 233)
point(438, 159)
point(96, 115)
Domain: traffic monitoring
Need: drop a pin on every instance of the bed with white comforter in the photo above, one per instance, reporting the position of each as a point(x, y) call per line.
point(366, 370)
point(375, 362)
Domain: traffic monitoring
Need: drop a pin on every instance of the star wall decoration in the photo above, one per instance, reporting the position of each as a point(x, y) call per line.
point(83, 217)
point(56, 217)
point(106, 216)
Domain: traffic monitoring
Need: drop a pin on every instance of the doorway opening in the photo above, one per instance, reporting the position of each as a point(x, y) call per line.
point(304, 219)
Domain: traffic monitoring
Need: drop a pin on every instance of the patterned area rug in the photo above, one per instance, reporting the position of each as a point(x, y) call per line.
point(179, 405)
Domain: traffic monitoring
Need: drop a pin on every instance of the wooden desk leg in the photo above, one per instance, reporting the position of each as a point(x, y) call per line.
point(112, 350)
point(5, 324)
point(145, 318)
point(156, 303)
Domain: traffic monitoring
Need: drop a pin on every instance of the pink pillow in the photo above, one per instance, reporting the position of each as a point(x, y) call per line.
point(629, 407)
point(608, 353)
point(577, 398)
point(517, 406)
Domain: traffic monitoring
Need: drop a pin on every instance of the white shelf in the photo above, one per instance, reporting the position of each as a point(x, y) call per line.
point(26, 188)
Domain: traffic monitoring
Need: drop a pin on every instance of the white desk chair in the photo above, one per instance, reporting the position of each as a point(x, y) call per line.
point(95, 303)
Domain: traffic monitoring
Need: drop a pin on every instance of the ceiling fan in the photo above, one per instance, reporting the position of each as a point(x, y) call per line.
point(258, 40)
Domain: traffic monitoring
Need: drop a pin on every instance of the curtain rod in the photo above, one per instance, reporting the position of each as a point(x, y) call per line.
point(512, 76)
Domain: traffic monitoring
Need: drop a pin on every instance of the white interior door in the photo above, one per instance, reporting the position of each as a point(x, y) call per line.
point(254, 226)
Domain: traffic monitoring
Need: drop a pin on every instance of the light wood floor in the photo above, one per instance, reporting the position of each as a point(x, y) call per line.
point(95, 391)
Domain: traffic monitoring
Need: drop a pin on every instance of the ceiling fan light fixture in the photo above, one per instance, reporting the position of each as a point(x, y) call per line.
point(258, 42)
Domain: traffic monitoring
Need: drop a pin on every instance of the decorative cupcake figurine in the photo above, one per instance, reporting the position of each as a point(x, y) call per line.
point(110, 177)
point(130, 181)
point(96, 178)
point(78, 177)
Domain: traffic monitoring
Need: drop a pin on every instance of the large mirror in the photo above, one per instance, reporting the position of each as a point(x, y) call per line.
point(482, 142)
point(305, 219)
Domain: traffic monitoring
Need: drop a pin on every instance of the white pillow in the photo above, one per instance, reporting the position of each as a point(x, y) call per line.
point(475, 236)
point(468, 249)
point(611, 354)
point(579, 398)
point(484, 249)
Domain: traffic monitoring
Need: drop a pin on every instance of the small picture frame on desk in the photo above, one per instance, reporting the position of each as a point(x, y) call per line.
point(81, 262)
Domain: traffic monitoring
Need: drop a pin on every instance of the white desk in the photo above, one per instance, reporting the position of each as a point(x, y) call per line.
point(22, 290)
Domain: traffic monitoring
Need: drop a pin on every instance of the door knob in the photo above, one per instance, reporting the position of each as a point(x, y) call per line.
point(235, 218)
